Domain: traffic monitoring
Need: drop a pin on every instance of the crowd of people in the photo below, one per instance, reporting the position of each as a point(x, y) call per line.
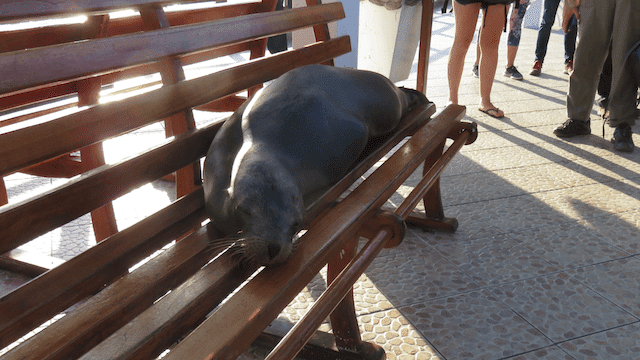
point(597, 60)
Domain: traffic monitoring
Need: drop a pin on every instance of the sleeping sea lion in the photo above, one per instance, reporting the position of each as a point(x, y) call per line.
point(287, 144)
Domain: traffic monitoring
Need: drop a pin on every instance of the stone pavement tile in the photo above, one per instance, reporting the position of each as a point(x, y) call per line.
point(413, 241)
point(586, 172)
point(519, 136)
point(305, 299)
point(21, 187)
point(490, 185)
point(473, 325)
point(537, 137)
point(619, 343)
point(483, 186)
point(620, 230)
point(466, 231)
point(73, 240)
point(463, 164)
point(546, 94)
point(408, 277)
point(367, 297)
point(380, 324)
point(561, 307)
point(400, 340)
point(548, 353)
point(615, 280)
point(512, 156)
point(568, 245)
point(507, 215)
point(495, 261)
point(10, 281)
point(589, 147)
point(516, 119)
point(543, 148)
point(584, 202)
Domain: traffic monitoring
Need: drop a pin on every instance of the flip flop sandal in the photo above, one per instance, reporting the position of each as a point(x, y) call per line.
point(493, 112)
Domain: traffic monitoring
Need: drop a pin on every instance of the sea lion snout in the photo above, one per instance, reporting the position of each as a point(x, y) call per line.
point(266, 244)
point(270, 211)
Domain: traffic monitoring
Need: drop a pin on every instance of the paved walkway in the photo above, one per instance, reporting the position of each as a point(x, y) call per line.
point(544, 264)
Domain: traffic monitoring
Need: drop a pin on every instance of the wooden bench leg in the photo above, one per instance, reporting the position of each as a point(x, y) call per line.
point(434, 218)
point(343, 318)
point(103, 218)
point(4, 198)
point(188, 178)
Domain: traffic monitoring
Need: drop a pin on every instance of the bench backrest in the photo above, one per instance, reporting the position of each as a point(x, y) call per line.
point(37, 70)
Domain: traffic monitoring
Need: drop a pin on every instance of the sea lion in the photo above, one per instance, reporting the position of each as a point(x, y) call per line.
point(288, 143)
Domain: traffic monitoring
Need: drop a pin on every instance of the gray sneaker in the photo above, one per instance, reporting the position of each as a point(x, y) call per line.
point(513, 73)
point(474, 71)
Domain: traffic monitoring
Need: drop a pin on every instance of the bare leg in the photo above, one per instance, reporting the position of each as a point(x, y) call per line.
point(477, 51)
point(465, 24)
point(511, 55)
point(489, 43)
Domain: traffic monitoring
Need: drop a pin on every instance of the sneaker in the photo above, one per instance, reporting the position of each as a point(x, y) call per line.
point(537, 68)
point(513, 73)
point(568, 67)
point(475, 71)
point(621, 139)
point(572, 128)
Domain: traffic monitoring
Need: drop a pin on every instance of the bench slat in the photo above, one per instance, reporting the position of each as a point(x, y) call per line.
point(26, 69)
point(20, 9)
point(26, 220)
point(52, 35)
point(254, 306)
point(183, 309)
point(29, 146)
point(113, 307)
point(87, 273)
point(44, 93)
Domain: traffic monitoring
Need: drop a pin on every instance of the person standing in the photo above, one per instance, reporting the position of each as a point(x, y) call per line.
point(604, 25)
point(493, 22)
point(548, 18)
point(513, 41)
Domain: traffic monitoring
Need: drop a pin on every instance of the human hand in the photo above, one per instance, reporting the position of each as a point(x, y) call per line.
point(568, 13)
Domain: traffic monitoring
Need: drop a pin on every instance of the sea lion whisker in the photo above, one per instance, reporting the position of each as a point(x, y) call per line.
point(220, 246)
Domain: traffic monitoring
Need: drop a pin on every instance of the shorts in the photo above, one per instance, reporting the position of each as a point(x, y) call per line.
point(485, 3)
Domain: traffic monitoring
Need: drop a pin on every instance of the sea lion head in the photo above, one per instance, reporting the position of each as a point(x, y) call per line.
point(265, 203)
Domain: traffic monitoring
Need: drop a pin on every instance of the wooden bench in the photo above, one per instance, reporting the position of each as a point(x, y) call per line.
point(188, 302)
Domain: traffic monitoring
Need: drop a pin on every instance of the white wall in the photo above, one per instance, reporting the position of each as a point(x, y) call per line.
point(346, 26)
